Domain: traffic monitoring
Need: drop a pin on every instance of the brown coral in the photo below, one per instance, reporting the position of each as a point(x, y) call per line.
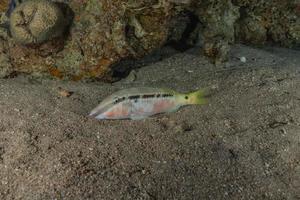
point(34, 22)
point(3, 6)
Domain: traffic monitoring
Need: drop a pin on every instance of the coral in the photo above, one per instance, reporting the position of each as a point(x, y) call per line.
point(34, 22)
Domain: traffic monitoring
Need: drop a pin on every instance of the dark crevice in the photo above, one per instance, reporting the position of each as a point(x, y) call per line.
point(243, 12)
point(69, 17)
point(182, 44)
point(122, 69)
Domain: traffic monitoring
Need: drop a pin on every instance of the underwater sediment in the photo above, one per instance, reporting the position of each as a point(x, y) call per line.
point(88, 38)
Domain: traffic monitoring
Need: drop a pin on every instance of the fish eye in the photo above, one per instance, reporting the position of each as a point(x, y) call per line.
point(186, 97)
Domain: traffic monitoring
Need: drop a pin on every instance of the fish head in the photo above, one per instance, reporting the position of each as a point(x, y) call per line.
point(197, 97)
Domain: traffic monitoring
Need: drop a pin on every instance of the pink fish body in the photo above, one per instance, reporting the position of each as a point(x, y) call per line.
point(140, 103)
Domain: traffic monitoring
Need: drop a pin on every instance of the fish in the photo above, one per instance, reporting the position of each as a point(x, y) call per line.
point(142, 102)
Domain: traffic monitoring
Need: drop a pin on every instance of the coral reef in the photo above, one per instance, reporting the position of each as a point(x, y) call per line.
point(105, 32)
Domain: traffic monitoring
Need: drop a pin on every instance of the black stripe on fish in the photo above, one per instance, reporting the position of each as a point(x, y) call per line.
point(167, 95)
point(145, 96)
point(118, 100)
point(134, 97)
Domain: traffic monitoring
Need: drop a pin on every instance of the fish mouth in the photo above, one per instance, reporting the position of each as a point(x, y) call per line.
point(96, 114)
point(93, 114)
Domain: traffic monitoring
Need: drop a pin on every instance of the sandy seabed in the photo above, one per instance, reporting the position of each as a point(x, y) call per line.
point(244, 144)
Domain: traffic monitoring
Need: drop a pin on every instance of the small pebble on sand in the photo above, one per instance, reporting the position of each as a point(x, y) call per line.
point(243, 59)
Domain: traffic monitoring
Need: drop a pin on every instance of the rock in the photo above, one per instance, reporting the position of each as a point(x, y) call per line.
point(5, 66)
point(218, 19)
point(64, 93)
point(251, 30)
point(217, 50)
point(132, 76)
point(243, 59)
point(105, 32)
point(269, 21)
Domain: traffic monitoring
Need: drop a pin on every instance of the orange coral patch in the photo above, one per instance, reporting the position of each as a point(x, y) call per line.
point(101, 68)
point(77, 18)
point(3, 6)
point(104, 62)
point(77, 77)
point(55, 72)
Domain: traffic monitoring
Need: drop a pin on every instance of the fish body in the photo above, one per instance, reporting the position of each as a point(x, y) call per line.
point(142, 102)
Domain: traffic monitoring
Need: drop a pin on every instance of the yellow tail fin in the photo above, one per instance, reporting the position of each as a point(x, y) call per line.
point(199, 96)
